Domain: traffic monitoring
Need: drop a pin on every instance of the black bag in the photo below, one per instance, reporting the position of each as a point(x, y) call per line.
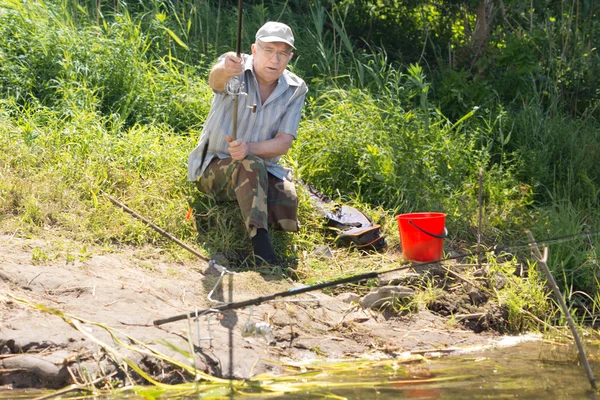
point(351, 227)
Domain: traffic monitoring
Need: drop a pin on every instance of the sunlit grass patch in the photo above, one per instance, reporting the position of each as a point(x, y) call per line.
point(526, 298)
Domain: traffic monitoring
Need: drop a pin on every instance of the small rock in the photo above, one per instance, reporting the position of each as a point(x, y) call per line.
point(480, 273)
point(385, 294)
point(348, 298)
point(477, 298)
point(396, 278)
point(499, 281)
point(323, 251)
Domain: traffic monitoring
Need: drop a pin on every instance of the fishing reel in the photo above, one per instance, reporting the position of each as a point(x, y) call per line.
point(235, 87)
point(262, 330)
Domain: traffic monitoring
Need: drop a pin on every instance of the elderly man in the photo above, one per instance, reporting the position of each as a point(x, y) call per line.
point(247, 169)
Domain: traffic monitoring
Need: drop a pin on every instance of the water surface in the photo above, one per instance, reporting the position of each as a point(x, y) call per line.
point(531, 369)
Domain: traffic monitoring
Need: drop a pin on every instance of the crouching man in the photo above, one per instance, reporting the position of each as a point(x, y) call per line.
point(247, 169)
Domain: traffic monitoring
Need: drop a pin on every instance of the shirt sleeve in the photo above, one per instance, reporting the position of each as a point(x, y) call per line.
point(291, 119)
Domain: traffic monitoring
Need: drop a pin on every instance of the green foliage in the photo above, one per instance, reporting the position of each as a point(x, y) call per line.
point(574, 264)
point(55, 170)
point(47, 58)
point(403, 160)
point(560, 154)
point(526, 299)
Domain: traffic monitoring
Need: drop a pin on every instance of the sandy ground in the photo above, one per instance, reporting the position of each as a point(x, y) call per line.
point(126, 293)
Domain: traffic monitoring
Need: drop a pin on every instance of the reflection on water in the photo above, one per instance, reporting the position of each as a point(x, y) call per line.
point(527, 370)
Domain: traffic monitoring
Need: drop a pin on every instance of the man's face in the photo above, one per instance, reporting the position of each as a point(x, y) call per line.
point(270, 59)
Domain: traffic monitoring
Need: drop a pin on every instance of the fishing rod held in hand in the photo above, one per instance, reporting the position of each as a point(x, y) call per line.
point(235, 86)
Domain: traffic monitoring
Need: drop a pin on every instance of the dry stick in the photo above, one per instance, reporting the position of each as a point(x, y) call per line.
point(480, 216)
point(542, 262)
point(468, 317)
point(457, 275)
point(156, 228)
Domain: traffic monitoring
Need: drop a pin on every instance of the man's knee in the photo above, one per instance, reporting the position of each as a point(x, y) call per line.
point(252, 173)
point(252, 165)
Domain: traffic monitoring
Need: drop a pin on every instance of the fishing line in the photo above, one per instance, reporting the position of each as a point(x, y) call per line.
point(496, 250)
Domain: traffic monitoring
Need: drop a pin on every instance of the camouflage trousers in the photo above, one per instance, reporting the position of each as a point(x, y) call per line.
point(263, 198)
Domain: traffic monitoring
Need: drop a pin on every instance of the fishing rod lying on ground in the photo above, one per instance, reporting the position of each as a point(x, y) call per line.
point(156, 228)
point(263, 299)
point(324, 285)
point(532, 244)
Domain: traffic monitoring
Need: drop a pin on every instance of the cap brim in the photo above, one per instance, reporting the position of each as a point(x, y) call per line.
point(272, 39)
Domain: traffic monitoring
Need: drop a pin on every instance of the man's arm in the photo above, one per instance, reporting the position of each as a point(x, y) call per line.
point(271, 148)
point(222, 71)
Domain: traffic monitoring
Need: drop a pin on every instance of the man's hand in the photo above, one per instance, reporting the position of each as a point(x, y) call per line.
point(237, 148)
point(224, 70)
point(232, 65)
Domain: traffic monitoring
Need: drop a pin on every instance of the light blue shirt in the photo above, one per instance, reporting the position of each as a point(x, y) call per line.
point(280, 113)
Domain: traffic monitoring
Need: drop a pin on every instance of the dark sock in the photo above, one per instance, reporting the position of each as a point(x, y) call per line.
point(262, 246)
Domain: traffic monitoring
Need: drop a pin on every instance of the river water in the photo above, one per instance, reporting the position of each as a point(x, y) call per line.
point(531, 369)
point(515, 368)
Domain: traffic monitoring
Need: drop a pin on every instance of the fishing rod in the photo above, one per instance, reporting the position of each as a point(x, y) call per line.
point(263, 299)
point(293, 292)
point(235, 84)
point(541, 259)
point(351, 279)
point(156, 228)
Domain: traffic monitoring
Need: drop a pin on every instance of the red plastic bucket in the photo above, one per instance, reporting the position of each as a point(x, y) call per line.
point(422, 235)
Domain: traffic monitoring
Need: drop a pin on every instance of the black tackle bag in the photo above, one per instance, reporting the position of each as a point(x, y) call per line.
point(350, 226)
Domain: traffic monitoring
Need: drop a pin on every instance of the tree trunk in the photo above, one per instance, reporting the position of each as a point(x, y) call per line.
point(482, 26)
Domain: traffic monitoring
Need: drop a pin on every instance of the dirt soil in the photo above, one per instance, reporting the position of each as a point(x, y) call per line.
point(128, 290)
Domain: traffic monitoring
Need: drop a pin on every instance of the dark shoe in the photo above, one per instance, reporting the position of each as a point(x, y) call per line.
point(261, 244)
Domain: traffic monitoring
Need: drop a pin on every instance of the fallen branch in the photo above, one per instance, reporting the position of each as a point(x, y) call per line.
point(552, 283)
point(469, 317)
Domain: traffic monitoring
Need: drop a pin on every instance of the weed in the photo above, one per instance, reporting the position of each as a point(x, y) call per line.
point(39, 256)
point(525, 293)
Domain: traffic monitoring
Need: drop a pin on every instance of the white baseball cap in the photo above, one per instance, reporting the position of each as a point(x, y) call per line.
point(275, 32)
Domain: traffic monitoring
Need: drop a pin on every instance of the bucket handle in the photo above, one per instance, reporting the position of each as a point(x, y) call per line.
point(442, 236)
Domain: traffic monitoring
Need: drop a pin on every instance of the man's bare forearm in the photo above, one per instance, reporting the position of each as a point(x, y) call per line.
point(217, 77)
point(271, 148)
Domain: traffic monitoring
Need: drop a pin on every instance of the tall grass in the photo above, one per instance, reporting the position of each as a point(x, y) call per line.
point(50, 60)
point(56, 169)
point(373, 151)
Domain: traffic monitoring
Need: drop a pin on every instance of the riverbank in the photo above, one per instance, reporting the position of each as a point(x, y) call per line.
point(79, 320)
